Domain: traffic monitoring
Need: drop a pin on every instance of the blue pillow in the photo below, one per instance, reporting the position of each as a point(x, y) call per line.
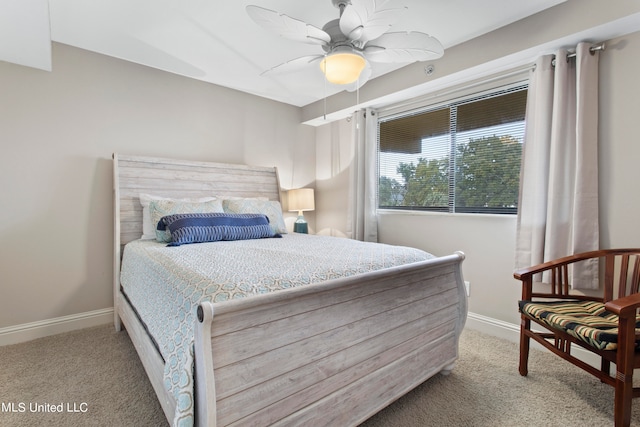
point(212, 227)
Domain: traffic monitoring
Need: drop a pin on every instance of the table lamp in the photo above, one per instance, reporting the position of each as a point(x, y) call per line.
point(300, 200)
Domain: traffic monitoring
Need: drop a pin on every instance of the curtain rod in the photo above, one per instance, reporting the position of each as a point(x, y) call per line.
point(592, 49)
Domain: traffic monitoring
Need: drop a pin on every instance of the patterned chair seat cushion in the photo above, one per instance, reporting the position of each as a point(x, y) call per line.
point(585, 320)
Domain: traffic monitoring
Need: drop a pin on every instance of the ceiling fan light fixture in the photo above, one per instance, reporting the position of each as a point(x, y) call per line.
point(343, 66)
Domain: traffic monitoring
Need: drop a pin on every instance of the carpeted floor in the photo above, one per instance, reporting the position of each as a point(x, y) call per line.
point(97, 377)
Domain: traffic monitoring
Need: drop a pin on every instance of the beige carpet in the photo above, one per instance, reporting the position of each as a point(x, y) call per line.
point(96, 375)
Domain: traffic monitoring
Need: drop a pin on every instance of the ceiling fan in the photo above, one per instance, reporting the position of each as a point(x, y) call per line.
point(351, 42)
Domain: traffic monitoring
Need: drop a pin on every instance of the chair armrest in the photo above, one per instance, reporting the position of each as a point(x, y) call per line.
point(626, 309)
point(530, 271)
point(559, 273)
point(522, 273)
point(559, 276)
point(625, 306)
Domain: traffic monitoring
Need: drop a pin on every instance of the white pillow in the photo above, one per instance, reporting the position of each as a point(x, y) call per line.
point(272, 209)
point(161, 208)
point(148, 228)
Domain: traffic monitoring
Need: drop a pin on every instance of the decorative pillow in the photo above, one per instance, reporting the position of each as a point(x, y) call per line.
point(213, 227)
point(271, 209)
point(149, 227)
point(161, 208)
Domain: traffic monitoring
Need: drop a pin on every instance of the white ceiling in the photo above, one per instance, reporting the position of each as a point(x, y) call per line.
point(216, 41)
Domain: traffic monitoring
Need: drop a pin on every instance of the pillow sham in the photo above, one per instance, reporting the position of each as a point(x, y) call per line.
point(148, 226)
point(161, 208)
point(214, 227)
point(271, 209)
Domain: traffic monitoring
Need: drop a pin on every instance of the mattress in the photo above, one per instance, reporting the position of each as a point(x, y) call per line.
point(166, 284)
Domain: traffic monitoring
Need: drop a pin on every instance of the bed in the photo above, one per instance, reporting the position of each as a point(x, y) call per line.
point(332, 352)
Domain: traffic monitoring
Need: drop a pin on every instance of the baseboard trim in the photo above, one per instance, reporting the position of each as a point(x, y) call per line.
point(43, 328)
point(495, 327)
point(511, 332)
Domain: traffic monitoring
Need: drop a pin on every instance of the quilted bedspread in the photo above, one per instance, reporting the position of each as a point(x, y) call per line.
point(166, 284)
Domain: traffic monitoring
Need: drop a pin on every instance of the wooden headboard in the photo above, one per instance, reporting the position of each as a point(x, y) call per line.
point(133, 175)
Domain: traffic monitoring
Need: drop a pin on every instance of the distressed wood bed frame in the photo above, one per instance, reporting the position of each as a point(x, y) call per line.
point(332, 353)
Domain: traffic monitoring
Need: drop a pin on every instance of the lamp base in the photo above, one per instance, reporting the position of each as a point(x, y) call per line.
point(301, 226)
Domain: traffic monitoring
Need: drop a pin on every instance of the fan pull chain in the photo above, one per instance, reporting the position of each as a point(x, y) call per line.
point(325, 100)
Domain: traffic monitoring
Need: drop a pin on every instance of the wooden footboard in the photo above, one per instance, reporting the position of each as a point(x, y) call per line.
point(333, 353)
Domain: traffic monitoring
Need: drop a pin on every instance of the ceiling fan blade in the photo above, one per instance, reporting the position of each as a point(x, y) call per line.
point(288, 27)
point(293, 65)
point(403, 47)
point(368, 19)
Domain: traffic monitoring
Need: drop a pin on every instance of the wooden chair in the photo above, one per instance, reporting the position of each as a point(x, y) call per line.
point(603, 325)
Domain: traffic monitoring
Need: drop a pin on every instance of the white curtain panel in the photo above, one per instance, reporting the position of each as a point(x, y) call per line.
point(362, 223)
point(558, 209)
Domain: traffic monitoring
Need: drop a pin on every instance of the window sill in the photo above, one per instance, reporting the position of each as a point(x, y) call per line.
point(403, 212)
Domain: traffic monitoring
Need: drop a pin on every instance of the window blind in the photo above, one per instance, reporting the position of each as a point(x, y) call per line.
point(459, 156)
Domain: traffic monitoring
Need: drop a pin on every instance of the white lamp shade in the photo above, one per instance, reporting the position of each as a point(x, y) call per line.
point(343, 66)
point(301, 199)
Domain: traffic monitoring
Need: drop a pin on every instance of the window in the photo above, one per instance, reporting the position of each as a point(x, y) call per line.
point(462, 156)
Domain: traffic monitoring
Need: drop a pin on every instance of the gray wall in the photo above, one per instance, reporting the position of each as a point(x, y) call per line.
point(57, 132)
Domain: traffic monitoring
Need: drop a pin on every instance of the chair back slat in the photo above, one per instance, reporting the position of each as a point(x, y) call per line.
point(553, 280)
point(622, 275)
point(609, 271)
point(566, 285)
point(559, 278)
point(636, 275)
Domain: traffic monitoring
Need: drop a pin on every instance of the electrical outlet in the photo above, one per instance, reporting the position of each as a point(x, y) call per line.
point(467, 285)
